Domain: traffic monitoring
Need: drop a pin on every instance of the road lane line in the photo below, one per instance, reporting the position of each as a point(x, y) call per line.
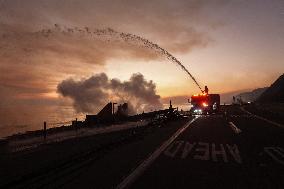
point(178, 145)
point(130, 179)
point(235, 128)
point(269, 150)
point(264, 119)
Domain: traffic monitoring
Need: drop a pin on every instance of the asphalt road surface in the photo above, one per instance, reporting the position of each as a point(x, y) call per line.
point(239, 152)
point(235, 150)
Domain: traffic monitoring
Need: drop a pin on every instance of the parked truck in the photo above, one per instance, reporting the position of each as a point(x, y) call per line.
point(205, 103)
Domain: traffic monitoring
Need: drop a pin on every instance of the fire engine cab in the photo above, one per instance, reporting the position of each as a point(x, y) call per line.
point(205, 103)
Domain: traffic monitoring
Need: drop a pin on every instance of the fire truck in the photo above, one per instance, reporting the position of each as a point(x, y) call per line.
point(205, 103)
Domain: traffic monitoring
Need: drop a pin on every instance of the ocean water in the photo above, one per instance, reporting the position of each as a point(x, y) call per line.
point(32, 118)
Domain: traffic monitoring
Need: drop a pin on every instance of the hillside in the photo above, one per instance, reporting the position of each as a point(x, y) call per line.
point(275, 93)
point(251, 95)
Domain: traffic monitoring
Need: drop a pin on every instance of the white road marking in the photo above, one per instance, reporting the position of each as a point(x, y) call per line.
point(245, 115)
point(235, 152)
point(173, 148)
point(281, 150)
point(264, 119)
point(234, 128)
point(273, 152)
point(187, 149)
point(219, 152)
point(126, 183)
point(204, 151)
point(204, 148)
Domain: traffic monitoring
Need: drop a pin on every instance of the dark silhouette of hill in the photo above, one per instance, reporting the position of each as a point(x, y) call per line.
point(228, 96)
point(251, 96)
point(275, 93)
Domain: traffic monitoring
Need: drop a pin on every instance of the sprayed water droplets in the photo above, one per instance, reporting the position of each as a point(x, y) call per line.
point(109, 35)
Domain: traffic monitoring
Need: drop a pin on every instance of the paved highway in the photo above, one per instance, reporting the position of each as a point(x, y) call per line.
point(238, 150)
point(241, 151)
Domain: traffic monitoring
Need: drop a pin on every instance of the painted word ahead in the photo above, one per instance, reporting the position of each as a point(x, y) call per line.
point(204, 151)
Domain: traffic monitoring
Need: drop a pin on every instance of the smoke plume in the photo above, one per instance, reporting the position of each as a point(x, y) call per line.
point(91, 94)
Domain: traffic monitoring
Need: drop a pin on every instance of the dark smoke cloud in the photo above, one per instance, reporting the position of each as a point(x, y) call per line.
point(90, 94)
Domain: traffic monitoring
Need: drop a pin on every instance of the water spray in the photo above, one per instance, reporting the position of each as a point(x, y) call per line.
point(111, 34)
point(161, 50)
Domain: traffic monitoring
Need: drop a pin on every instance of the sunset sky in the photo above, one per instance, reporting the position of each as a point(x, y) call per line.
point(229, 45)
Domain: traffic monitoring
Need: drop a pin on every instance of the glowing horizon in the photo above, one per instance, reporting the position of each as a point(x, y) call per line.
point(226, 45)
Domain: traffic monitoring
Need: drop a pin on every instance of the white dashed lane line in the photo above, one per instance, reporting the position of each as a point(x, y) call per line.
point(264, 119)
point(234, 128)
